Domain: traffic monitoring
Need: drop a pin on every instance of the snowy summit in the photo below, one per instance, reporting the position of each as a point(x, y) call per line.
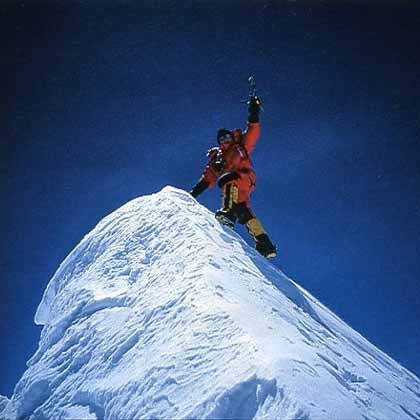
point(160, 312)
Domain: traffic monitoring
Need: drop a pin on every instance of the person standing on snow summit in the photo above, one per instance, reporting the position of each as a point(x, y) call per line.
point(230, 166)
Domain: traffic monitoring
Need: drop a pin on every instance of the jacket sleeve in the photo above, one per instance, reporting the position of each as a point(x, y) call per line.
point(208, 178)
point(210, 175)
point(251, 135)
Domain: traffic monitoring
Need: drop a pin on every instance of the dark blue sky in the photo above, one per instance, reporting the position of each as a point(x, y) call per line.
point(104, 102)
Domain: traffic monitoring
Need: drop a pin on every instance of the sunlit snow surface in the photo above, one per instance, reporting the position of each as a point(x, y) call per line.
point(160, 312)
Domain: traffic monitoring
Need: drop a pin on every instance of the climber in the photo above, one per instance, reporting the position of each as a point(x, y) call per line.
point(230, 166)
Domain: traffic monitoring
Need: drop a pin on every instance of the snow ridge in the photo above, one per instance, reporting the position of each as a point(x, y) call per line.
point(160, 312)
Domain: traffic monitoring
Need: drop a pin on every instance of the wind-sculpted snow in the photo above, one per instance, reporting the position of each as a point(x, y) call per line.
point(160, 312)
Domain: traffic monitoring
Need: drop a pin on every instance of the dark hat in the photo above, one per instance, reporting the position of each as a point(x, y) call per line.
point(223, 132)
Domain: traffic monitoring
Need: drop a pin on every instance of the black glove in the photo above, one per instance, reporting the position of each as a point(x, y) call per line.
point(218, 165)
point(199, 188)
point(254, 107)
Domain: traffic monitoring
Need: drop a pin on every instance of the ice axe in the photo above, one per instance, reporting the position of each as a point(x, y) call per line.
point(252, 89)
point(252, 86)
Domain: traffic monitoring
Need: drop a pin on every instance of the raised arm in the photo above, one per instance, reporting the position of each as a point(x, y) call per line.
point(253, 129)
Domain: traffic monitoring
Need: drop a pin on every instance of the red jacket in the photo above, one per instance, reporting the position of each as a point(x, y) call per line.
point(235, 157)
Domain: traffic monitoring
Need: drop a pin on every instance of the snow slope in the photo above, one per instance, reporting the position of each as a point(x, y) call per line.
point(160, 312)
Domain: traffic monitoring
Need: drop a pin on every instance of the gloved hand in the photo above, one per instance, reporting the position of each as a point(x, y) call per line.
point(218, 165)
point(254, 108)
